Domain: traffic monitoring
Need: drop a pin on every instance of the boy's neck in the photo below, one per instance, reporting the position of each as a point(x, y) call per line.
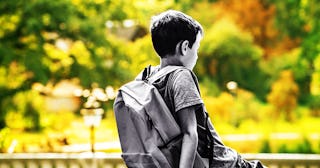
point(170, 60)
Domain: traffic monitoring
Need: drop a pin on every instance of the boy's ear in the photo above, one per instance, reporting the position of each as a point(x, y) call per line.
point(183, 47)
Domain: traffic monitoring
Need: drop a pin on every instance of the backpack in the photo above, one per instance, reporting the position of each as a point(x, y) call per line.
point(148, 133)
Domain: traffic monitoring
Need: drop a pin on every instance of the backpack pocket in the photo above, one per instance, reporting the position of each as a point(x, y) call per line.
point(172, 151)
point(140, 160)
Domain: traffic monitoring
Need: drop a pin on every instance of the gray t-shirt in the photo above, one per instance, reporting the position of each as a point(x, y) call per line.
point(179, 90)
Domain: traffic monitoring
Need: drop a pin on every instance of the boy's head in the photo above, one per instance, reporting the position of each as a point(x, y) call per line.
point(170, 28)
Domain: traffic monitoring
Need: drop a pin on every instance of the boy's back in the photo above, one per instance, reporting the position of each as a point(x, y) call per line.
point(149, 135)
point(180, 90)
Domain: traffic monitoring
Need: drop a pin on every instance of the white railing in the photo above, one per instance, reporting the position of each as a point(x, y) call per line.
point(102, 160)
point(286, 160)
point(61, 160)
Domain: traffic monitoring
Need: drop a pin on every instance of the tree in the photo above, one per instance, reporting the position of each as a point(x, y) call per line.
point(43, 40)
point(284, 94)
point(258, 18)
point(229, 54)
point(299, 19)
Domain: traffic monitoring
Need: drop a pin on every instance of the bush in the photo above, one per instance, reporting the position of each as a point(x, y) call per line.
point(4, 139)
point(234, 108)
point(283, 95)
point(302, 147)
point(266, 148)
point(314, 104)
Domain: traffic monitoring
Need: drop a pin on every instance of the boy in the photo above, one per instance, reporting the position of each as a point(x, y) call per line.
point(176, 38)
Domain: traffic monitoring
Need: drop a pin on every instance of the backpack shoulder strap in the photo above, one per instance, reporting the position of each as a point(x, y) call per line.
point(163, 72)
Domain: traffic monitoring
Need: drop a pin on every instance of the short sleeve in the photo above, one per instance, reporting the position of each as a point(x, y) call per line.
point(185, 92)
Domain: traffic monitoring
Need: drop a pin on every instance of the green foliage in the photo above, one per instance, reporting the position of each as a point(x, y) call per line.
point(209, 87)
point(265, 147)
point(284, 149)
point(314, 104)
point(25, 113)
point(273, 66)
point(298, 19)
point(305, 147)
point(315, 78)
point(140, 55)
point(302, 147)
point(295, 10)
point(221, 57)
point(44, 41)
point(205, 18)
point(292, 61)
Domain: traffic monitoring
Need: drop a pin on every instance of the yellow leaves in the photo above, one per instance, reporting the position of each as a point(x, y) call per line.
point(3, 73)
point(76, 2)
point(53, 52)
point(139, 54)
point(13, 120)
point(13, 76)
point(124, 63)
point(84, 6)
point(16, 118)
point(49, 35)
point(90, 12)
point(317, 62)
point(222, 31)
point(99, 1)
point(81, 53)
point(30, 41)
point(59, 55)
point(147, 9)
point(107, 56)
point(226, 26)
point(101, 51)
point(79, 2)
point(204, 12)
point(221, 106)
point(153, 4)
point(8, 23)
point(315, 84)
point(57, 58)
point(46, 19)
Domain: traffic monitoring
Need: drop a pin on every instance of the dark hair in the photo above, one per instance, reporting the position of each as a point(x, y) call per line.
point(171, 27)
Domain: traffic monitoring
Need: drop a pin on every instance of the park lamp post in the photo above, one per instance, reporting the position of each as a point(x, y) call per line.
point(92, 118)
point(92, 111)
point(232, 86)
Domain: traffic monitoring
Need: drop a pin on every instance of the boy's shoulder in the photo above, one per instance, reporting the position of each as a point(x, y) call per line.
point(181, 74)
point(184, 76)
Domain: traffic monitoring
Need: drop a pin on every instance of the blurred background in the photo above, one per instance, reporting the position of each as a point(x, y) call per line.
point(62, 61)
